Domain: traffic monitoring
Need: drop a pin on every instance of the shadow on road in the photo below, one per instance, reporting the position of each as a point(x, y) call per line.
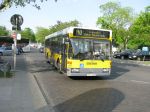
point(41, 70)
point(85, 78)
point(41, 66)
point(117, 71)
point(97, 100)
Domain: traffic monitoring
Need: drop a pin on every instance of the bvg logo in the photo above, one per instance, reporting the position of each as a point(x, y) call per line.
point(91, 63)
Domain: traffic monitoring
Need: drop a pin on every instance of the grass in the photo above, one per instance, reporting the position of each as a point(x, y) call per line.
point(7, 75)
point(146, 62)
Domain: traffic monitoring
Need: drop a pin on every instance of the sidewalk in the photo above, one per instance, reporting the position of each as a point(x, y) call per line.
point(21, 92)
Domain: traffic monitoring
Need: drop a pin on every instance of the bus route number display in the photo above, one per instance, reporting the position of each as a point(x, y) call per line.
point(91, 33)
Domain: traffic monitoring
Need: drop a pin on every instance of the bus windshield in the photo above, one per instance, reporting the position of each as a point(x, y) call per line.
point(89, 49)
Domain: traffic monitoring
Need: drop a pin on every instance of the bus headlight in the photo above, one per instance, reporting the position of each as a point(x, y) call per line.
point(75, 70)
point(105, 70)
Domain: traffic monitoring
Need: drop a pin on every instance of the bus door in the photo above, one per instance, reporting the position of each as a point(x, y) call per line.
point(64, 56)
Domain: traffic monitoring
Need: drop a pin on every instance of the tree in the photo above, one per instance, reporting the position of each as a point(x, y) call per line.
point(141, 28)
point(118, 19)
point(3, 31)
point(62, 25)
point(42, 32)
point(28, 34)
point(8, 3)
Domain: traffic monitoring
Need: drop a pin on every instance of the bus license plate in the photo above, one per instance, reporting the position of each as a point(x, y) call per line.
point(91, 74)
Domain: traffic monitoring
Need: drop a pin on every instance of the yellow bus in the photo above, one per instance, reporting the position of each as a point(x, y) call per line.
point(79, 51)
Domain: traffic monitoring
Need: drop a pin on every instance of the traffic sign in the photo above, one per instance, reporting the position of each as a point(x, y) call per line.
point(18, 36)
point(16, 19)
point(16, 27)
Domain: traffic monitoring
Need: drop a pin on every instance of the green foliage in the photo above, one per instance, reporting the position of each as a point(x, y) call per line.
point(42, 32)
point(28, 34)
point(8, 3)
point(118, 19)
point(141, 28)
point(60, 25)
point(3, 31)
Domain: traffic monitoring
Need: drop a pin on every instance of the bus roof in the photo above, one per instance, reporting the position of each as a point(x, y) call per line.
point(70, 30)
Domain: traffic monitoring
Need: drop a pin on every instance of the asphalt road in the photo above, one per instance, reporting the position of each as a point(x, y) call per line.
point(126, 90)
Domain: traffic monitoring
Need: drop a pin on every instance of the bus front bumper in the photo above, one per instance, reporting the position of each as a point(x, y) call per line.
point(89, 72)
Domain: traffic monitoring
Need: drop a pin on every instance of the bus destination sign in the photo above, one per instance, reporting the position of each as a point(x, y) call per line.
point(91, 33)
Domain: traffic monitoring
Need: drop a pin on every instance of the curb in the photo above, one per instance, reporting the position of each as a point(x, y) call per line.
point(44, 94)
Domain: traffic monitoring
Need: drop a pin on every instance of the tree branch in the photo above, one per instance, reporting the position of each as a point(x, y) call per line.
point(22, 3)
point(4, 4)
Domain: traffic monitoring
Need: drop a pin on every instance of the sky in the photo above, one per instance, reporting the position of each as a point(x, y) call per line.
point(85, 11)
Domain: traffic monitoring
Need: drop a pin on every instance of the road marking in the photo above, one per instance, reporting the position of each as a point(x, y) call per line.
point(141, 82)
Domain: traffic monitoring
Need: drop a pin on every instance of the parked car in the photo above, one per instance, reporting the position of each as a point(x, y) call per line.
point(123, 55)
point(7, 50)
point(140, 56)
point(41, 49)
